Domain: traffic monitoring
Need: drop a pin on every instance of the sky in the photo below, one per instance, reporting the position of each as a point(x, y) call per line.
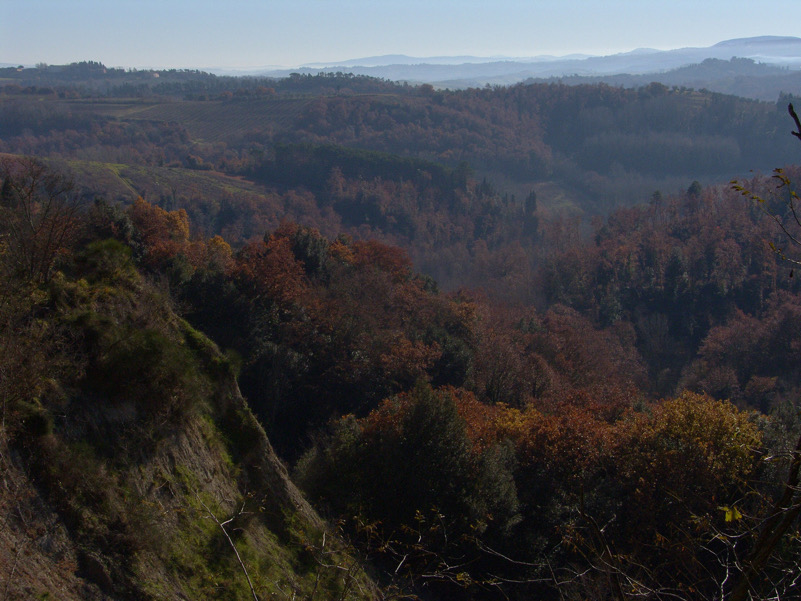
point(241, 34)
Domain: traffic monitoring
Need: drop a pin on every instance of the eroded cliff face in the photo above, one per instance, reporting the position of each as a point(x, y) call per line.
point(132, 468)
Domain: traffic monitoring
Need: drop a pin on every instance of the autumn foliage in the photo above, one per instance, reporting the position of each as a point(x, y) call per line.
point(591, 421)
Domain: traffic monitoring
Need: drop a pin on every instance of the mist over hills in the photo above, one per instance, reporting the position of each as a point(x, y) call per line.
point(773, 55)
point(761, 68)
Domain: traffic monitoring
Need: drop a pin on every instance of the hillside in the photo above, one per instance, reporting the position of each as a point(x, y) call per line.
point(202, 142)
point(529, 133)
point(132, 466)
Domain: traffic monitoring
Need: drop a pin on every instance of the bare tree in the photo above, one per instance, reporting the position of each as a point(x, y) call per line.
point(39, 210)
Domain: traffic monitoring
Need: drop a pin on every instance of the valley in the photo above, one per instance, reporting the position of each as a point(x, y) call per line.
point(335, 337)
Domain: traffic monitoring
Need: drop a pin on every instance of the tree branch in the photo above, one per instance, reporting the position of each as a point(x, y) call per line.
point(781, 518)
point(791, 110)
point(230, 541)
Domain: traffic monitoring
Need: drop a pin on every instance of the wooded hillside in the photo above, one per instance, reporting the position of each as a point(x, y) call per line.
point(492, 374)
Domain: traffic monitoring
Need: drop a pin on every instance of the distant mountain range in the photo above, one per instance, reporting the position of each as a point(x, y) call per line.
point(769, 56)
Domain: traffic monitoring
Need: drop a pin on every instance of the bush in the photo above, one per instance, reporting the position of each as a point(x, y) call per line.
point(154, 371)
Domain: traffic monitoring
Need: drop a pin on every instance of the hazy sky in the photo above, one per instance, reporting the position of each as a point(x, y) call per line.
point(251, 33)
